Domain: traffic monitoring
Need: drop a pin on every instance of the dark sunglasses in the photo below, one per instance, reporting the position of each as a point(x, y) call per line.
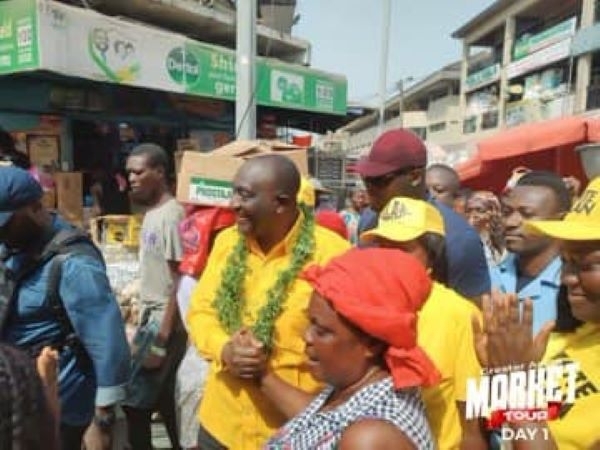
point(382, 181)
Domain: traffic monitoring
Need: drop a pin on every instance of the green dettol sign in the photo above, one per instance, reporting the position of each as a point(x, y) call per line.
point(183, 66)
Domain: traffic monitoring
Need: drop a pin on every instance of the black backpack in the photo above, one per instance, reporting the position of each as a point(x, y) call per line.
point(65, 243)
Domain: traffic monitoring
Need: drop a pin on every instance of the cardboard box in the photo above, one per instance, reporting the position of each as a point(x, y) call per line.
point(249, 149)
point(188, 145)
point(69, 196)
point(205, 178)
point(184, 145)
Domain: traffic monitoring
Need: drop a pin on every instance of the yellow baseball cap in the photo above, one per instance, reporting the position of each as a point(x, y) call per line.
point(404, 219)
point(582, 223)
point(306, 193)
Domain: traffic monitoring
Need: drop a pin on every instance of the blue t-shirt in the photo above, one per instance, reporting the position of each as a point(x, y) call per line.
point(96, 319)
point(468, 272)
point(542, 289)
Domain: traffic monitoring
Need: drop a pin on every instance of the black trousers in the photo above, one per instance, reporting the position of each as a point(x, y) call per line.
point(71, 437)
point(207, 442)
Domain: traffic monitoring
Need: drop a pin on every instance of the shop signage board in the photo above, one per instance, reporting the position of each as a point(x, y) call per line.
point(84, 43)
point(586, 40)
point(544, 57)
point(19, 50)
point(482, 77)
point(531, 44)
point(285, 85)
point(87, 44)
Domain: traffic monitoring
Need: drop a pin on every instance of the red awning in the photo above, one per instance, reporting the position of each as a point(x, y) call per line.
point(534, 137)
point(525, 140)
point(470, 168)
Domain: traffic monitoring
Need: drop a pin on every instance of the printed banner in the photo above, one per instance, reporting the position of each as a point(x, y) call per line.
point(19, 50)
point(83, 43)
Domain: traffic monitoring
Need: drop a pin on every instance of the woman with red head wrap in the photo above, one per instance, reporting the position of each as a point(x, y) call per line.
point(362, 342)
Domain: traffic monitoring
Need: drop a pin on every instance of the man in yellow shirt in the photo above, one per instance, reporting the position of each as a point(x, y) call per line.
point(250, 292)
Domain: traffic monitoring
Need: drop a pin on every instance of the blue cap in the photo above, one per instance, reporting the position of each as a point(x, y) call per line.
point(17, 189)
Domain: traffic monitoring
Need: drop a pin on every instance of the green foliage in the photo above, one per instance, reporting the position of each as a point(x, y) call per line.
point(230, 298)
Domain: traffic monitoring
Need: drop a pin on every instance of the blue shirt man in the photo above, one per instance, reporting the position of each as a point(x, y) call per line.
point(541, 289)
point(91, 379)
point(532, 267)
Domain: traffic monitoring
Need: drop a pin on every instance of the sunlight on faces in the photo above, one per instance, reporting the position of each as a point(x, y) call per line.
point(145, 181)
point(338, 353)
point(527, 203)
point(581, 275)
point(254, 201)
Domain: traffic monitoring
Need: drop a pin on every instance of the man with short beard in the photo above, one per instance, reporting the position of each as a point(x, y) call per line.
point(533, 266)
point(76, 313)
point(248, 312)
point(161, 338)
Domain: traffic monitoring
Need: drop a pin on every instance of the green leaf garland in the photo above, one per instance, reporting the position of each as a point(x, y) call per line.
point(230, 298)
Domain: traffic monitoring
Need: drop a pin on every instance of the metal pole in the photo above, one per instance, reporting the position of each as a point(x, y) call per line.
point(245, 85)
point(400, 102)
point(385, 40)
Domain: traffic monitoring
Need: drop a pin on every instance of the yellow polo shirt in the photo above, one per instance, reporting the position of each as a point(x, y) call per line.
point(234, 411)
point(577, 425)
point(445, 333)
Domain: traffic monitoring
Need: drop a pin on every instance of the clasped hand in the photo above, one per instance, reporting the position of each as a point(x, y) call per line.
point(245, 356)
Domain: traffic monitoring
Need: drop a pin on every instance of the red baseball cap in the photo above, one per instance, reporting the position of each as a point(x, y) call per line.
point(393, 150)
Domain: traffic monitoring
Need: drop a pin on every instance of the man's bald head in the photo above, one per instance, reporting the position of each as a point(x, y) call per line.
point(264, 198)
point(276, 169)
point(443, 183)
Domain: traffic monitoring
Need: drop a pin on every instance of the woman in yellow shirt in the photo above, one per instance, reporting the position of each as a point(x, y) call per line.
point(576, 337)
point(444, 328)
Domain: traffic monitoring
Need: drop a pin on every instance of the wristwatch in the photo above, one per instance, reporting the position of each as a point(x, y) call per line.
point(105, 420)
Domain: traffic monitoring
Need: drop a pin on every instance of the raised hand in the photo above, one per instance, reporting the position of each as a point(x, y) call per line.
point(505, 337)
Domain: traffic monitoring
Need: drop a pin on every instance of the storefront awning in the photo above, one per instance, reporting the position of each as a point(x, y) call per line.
point(545, 145)
point(534, 137)
point(46, 35)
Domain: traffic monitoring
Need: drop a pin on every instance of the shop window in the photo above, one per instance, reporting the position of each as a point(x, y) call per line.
point(489, 120)
point(437, 127)
point(470, 125)
point(420, 131)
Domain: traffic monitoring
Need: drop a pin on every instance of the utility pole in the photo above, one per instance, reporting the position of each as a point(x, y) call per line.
point(401, 99)
point(385, 43)
point(245, 80)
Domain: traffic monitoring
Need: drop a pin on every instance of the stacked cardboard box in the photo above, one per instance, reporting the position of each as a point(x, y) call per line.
point(206, 178)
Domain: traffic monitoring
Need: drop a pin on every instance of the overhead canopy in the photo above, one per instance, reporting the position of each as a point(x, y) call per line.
point(535, 137)
point(545, 145)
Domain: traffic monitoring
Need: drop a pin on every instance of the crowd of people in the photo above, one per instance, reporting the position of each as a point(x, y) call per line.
point(279, 323)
